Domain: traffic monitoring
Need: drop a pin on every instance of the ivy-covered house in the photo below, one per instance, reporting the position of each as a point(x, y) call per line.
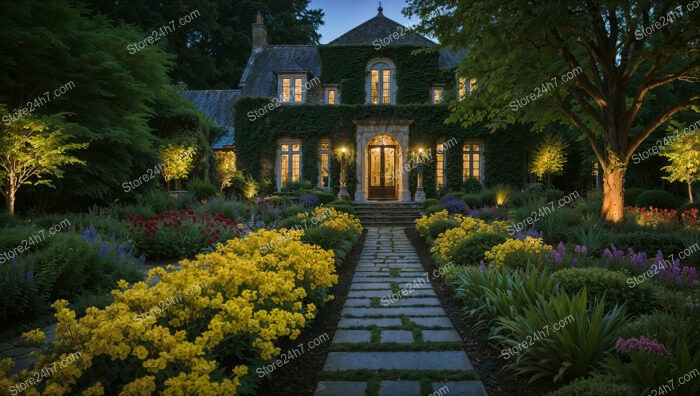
point(371, 97)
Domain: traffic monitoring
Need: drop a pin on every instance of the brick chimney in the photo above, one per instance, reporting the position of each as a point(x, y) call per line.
point(259, 33)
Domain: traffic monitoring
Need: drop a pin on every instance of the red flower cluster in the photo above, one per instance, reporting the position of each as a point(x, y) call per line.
point(653, 216)
point(209, 226)
point(691, 217)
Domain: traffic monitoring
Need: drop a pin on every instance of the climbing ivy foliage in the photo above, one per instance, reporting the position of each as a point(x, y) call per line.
point(505, 153)
point(416, 71)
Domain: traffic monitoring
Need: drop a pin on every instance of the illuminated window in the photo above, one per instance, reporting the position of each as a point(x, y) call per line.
point(289, 163)
point(437, 95)
point(286, 90)
point(332, 96)
point(381, 83)
point(472, 160)
point(324, 176)
point(464, 87)
point(292, 89)
point(440, 159)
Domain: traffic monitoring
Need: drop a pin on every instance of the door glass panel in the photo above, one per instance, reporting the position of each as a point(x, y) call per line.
point(284, 167)
point(296, 167)
point(375, 167)
point(389, 166)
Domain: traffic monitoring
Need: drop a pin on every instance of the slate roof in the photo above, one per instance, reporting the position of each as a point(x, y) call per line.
point(217, 105)
point(259, 78)
point(379, 28)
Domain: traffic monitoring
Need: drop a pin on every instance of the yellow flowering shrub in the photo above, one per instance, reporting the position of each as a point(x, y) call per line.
point(197, 330)
point(468, 226)
point(498, 254)
point(423, 224)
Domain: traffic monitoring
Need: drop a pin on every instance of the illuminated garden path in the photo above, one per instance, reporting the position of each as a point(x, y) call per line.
point(389, 343)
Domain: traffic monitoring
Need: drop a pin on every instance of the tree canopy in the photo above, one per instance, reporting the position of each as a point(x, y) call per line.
point(212, 50)
point(616, 70)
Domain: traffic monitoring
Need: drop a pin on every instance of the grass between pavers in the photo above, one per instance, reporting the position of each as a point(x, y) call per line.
point(394, 272)
point(373, 346)
point(375, 302)
point(349, 316)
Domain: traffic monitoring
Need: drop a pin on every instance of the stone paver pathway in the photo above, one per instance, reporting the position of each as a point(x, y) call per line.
point(392, 344)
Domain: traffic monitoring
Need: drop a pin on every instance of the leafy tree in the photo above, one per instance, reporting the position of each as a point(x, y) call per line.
point(611, 68)
point(684, 155)
point(33, 150)
point(549, 158)
point(213, 49)
point(177, 162)
point(226, 167)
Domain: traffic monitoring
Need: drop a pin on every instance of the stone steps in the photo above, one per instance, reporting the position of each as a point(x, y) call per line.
point(388, 214)
point(399, 344)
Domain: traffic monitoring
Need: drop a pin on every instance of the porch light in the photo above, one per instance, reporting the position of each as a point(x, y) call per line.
point(343, 150)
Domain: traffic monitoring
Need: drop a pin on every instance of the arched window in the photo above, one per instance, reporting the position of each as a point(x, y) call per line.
point(381, 83)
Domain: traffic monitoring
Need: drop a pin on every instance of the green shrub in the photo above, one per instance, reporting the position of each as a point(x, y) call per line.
point(292, 210)
point(683, 208)
point(326, 237)
point(441, 225)
point(593, 236)
point(473, 201)
point(122, 212)
point(242, 186)
point(631, 195)
point(656, 198)
point(297, 185)
point(292, 222)
point(650, 241)
point(492, 293)
point(67, 264)
point(471, 251)
point(597, 385)
point(236, 210)
point(457, 194)
point(472, 185)
point(613, 285)
point(324, 196)
point(342, 206)
point(574, 350)
point(521, 260)
point(430, 202)
point(434, 209)
point(556, 225)
point(158, 201)
point(553, 194)
point(487, 197)
point(202, 189)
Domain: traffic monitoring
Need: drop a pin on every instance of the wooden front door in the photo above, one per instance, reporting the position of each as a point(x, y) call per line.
point(382, 172)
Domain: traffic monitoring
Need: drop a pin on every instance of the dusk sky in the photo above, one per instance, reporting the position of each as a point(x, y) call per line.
point(343, 15)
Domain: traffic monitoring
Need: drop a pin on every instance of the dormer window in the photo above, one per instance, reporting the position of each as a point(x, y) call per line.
point(291, 88)
point(381, 82)
point(437, 94)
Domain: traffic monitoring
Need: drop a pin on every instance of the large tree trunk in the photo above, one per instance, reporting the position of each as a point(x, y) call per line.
point(613, 194)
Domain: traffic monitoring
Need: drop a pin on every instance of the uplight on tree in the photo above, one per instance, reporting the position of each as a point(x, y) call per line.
point(178, 161)
point(549, 158)
point(33, 149)
point(684, 155)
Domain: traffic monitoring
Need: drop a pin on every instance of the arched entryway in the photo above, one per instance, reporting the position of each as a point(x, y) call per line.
point(382, 147)
point(383, 172)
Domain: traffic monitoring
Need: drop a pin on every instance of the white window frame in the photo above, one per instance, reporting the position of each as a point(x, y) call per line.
point(294, 80)
point(469, 173)
point(290, 163)
point(328, 152)
point(386, 65)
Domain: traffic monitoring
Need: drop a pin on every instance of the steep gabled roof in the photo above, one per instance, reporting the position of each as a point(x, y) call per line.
point(378, 28)
point(217, 105)
point(259, 78)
